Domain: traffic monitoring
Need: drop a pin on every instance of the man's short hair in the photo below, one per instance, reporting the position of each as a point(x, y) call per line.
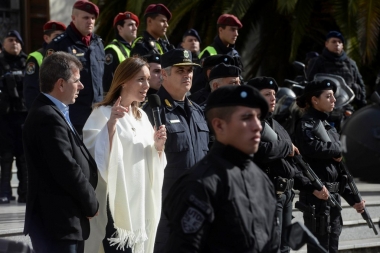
point(55, 66)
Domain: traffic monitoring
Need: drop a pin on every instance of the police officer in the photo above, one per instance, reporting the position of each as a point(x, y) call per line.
point(334, 60)
point(125, 25)
point(319, 144)
point(157, 17)
point(155, 82)
point(224, 42)
point(200, 94)
point(222, 75)
point(191, 41)
point(12, 116)
point(274, 157)
point(31, 80)
point(187, 131)
point(79, 40)
point(225, 203)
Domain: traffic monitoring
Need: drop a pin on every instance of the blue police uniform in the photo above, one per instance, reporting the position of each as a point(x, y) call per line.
point(146, 44)
point(186, 144)
point(92, 58)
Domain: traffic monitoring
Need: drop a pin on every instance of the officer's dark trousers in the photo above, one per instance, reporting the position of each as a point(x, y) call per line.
point(10, 147)
point(284, 213)
point(329, 241)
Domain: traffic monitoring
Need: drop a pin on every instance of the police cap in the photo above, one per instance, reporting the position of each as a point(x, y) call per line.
point(237, 96)
point(213, 60)
point(314, 86)
point(156, 58)
point(87, 6)
point(230, 20)
point(158, 9)
point(126, 15)
point(263, 82)
point(177, 57)
point(15, 34)
point(192, 32)
point(334, 34)
point(222, 70)
point(54, 25)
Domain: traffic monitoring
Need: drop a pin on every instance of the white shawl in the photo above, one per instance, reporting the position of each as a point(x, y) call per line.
point(132, 175)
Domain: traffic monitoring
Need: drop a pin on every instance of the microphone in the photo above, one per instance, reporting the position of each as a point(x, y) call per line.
point(155, 103)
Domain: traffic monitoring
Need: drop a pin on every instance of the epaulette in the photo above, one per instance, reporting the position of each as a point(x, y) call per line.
point(59, 37)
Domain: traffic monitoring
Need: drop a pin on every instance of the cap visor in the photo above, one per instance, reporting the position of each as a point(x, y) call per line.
point(186, 64)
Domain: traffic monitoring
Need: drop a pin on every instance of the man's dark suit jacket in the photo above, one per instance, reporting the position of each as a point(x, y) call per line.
point(62, 176)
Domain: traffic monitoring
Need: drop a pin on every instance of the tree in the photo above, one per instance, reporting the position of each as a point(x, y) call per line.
point(274, 33)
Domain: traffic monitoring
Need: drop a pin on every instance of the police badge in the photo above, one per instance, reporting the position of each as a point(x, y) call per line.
point(186, 54)
point(192, 221)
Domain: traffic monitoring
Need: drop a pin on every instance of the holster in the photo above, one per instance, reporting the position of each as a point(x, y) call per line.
point(310, 222)
point(283, 184)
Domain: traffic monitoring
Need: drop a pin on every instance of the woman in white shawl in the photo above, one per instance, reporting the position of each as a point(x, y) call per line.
point(130, 158)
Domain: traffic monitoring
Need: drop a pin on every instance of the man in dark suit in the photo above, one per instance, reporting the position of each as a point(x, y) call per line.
point(62, 174)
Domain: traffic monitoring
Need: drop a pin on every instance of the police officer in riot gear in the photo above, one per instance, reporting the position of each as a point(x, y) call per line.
point(274, 157)
point(319, 144)
point(12, 116)
point(225, 203)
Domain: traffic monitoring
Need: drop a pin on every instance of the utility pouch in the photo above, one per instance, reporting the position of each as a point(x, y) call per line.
point(11, 85)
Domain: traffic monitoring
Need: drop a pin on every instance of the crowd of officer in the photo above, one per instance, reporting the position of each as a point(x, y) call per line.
point(211, 207)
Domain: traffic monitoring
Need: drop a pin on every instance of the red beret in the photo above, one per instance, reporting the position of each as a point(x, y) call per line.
point(126, 15)
point(54, 25)
point(87, 6)
point(230, 20)
point(158, 9)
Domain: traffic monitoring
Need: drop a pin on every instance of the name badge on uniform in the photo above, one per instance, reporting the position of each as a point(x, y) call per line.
point(80, 54)
point(17, 73)
point(173, 121)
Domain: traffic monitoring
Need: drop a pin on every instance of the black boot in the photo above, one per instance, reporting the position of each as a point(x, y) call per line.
point(22, 174)
point(6, 175)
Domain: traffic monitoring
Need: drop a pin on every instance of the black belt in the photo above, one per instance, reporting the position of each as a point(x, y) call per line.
point(283, 184)
point(332, 187)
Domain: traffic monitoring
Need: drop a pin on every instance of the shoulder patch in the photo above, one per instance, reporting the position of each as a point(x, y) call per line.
point(192, 221)
point(49, 52)
point(30, 68)
point(59, 37)
point(109, 59)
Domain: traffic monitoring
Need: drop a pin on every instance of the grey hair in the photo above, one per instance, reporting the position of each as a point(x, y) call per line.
point(55, 66)
point(217, 80)
point(168, 70)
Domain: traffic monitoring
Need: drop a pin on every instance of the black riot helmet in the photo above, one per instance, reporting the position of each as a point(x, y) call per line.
point(360, 140)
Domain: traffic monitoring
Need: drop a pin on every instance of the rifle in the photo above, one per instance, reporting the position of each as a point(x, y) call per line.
point(358, 197)
point(315, 180)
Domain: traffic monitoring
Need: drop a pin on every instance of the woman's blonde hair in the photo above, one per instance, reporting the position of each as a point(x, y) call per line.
point(126, 71)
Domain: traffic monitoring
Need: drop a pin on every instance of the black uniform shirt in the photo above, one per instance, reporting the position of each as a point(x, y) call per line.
point(187, 135)
point(225, 203)
point(272, 157)
point(32, 79)
point(147, 45)
point(112, 61)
